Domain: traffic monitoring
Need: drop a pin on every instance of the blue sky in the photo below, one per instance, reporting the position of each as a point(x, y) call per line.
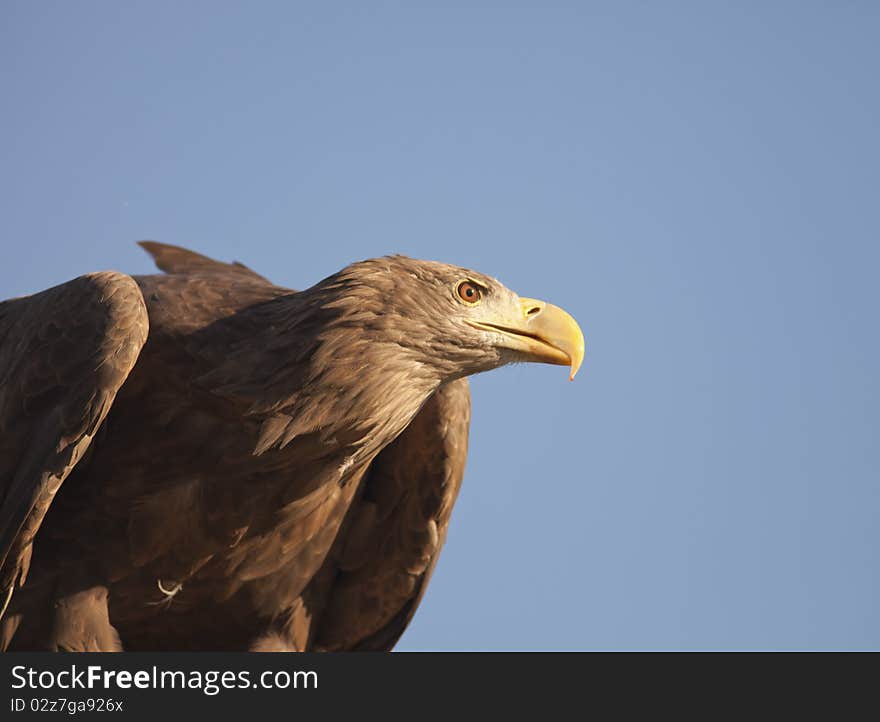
point(697, 183)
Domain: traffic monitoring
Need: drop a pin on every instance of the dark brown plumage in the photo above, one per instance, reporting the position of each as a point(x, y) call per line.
point(204, 460)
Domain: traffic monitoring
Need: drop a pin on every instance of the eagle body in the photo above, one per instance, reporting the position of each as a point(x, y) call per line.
point(243, 466)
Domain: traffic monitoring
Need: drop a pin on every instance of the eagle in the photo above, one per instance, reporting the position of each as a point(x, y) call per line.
point(203, 460)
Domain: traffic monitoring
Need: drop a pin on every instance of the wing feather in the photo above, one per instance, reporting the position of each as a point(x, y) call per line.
point(64, 353)
point(174, 259)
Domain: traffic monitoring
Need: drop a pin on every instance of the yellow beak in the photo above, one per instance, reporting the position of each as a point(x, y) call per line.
point(542, 332)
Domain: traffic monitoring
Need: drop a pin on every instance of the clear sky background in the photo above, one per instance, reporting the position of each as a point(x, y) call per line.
point(697, 183)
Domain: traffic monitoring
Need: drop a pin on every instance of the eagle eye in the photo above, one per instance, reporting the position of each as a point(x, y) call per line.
point(469, 293)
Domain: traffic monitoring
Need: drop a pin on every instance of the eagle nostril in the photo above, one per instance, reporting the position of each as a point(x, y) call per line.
point(533, 310)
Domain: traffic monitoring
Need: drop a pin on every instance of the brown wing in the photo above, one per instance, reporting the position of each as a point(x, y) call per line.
point(64, 353)
point(396, 530)
point(174, 259)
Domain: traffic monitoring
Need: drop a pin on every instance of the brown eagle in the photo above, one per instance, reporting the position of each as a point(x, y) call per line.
point(203, 460)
